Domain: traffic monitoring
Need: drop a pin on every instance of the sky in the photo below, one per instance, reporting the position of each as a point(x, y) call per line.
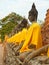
point(22, 7)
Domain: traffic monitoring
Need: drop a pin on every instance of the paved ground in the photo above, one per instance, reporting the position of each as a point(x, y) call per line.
point(1, 54)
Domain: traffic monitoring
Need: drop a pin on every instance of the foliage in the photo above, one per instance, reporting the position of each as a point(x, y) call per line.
point(12, 17)
point(8, 27)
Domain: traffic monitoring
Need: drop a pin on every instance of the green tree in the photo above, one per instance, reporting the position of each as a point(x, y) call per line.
point(8, 27)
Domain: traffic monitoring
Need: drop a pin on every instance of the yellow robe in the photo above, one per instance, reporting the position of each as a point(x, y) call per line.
point(18, 37)
point(30, 36)
point(48, 52)
point(33, 37)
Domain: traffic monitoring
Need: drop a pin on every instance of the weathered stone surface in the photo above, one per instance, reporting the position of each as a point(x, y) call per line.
point(12, 59)
point(1, 54)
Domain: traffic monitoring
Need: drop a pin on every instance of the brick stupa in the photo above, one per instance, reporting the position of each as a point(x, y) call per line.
point(45, 30)
point(47, 17)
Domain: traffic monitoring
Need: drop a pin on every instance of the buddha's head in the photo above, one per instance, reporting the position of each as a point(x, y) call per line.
point(33, 13)
point(24, 23)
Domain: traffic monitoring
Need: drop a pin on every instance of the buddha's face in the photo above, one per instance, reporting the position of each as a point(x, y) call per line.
point(31, 18)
